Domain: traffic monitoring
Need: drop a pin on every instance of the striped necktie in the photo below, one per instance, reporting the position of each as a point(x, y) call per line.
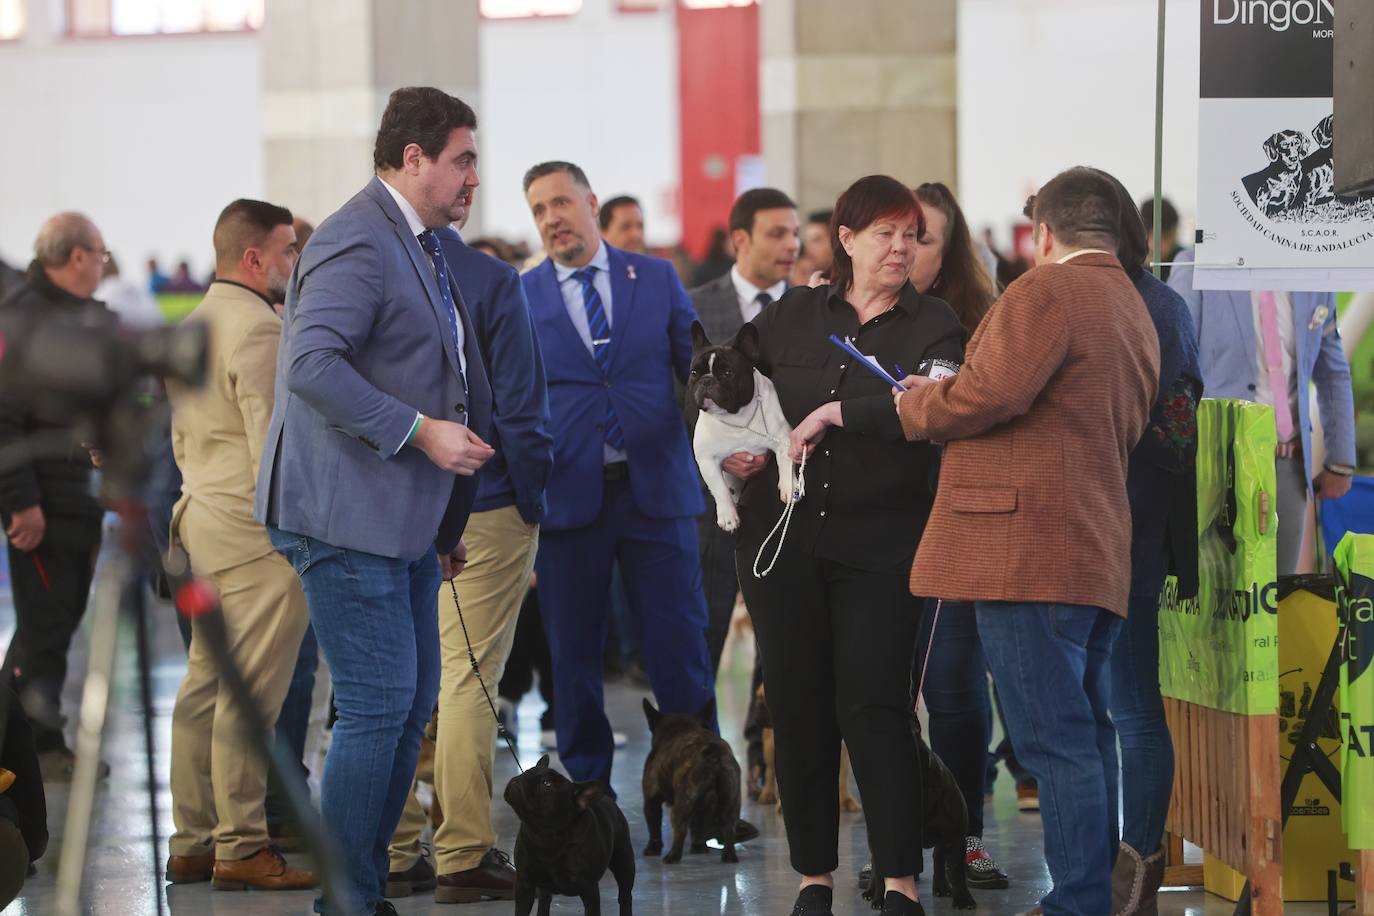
point(601, 347)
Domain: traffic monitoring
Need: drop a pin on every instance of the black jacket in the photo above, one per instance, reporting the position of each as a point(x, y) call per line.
point(868, 490)
point(61, 485)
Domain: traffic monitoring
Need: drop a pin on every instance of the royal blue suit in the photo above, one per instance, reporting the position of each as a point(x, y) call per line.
point(595, 517)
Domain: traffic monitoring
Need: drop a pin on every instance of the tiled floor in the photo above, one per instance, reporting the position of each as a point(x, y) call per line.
point(119, 882)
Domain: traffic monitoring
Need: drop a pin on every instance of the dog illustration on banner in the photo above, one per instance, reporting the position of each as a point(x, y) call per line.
point(1298, 187)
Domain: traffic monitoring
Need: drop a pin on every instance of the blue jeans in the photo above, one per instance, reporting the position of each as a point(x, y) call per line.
point(376, 620)
point(1050, 663)
point(1147, 751)
point(293, 725)
point(956, 693)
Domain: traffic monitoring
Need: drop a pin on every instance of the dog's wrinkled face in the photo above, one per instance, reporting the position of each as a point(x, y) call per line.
point(542, 797)
point(722, 378)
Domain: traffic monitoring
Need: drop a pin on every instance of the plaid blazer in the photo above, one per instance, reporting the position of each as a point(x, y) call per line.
point(1055, 391)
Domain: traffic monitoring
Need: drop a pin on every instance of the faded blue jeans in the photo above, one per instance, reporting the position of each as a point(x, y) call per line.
point(1147, 750)
point(956, 694)
point(376, 620)
point(1050, 663)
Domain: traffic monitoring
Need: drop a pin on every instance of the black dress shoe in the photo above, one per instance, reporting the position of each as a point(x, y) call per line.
point(814, 900)
point(385, 909)
point(744, 832)
point(416, 879)
point(898, 904)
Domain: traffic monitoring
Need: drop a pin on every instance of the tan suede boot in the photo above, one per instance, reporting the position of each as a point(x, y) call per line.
point(1135, 882)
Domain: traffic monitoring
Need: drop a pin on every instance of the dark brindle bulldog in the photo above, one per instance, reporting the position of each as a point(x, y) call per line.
point(694, 771)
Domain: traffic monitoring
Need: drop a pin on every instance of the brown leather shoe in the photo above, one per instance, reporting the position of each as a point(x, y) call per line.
point(190, 869)
point(494, 877)
point(266, 870)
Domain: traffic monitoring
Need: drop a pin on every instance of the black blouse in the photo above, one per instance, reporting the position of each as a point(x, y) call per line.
point(868, 490)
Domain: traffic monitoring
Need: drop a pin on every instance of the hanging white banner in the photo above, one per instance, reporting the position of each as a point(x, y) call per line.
point(1268, 214)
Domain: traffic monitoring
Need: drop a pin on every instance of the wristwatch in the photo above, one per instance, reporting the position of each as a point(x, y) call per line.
point(1340, 470)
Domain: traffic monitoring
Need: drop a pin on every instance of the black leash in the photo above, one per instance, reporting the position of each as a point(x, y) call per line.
point(472, 660)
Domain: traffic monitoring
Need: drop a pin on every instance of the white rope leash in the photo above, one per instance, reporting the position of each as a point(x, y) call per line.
point(925, 665)
point(784, 520)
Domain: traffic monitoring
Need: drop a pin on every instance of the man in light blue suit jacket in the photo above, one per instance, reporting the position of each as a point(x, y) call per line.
point(614, 328)
point(1231, 352)
point(381, 399)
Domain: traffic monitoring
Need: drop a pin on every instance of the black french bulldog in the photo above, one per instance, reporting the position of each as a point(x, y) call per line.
point(570, 833)
point(944, 828)
point(692, 769)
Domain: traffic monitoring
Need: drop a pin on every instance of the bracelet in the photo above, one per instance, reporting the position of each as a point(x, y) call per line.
point(1340, 471)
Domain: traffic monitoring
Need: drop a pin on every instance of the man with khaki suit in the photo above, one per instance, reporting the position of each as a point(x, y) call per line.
point(1031, 520)
point(218, 780)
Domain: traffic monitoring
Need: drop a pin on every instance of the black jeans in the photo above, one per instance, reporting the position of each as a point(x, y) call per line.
point(529, 654)
point(51, 586)
point(718, 580)
point(837, 645)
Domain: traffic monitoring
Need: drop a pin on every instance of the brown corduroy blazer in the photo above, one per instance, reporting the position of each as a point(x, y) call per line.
point(1055, 391)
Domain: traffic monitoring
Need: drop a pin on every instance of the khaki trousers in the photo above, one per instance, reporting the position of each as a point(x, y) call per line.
point(501, 549)
point(218, 779)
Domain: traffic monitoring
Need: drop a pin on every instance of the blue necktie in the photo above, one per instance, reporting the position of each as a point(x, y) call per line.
point(429, 241)
point(601, 347)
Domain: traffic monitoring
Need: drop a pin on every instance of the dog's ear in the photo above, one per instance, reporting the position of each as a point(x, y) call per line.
point(651, 714)
point(699, 339)
point(587, 793)
point(747, 342)
point(543, 763)
point(707, 715)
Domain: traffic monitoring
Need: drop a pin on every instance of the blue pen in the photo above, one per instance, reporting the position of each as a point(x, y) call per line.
point(901, 373)
point(877, 370)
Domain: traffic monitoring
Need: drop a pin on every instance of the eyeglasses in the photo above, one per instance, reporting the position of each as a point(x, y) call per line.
point(103, 253)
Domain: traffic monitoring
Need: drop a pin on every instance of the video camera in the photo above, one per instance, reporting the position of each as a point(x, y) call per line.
point(90, 375)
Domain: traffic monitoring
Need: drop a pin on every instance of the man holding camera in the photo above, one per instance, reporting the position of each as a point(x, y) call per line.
point(218, 779)
point(47, 505)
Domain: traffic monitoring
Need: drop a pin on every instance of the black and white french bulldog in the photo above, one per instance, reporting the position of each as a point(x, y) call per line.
point(739, 413)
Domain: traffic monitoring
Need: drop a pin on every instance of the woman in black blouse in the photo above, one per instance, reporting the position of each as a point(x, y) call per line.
point(835, 620)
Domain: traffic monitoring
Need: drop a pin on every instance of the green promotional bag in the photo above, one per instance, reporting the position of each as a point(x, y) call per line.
point(1221, 649)
point(1355, 601)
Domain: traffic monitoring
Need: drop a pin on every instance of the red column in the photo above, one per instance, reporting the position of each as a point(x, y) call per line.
point(718, 111)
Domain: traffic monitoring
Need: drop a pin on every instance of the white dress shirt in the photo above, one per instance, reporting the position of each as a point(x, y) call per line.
point(571, 288)
point(748, 294)
point(1264, 392)
point(416, 228)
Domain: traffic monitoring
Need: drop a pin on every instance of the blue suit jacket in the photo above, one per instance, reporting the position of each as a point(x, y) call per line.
point(1225, 326)
point(519, 471)
point(365, 344)
point(651, 341)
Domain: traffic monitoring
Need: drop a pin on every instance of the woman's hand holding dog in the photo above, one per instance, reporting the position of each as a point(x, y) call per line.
point(744, 465)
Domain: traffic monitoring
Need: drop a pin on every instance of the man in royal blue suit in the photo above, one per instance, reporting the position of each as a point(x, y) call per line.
point(614, 328)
